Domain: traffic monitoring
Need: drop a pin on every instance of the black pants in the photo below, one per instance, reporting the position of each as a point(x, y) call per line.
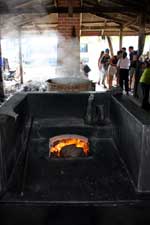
point(123, 76)
point(145, 91)
point(136, 83)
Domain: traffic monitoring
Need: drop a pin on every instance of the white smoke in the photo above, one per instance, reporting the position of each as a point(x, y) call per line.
point(68, 57)
point(12, 17)
point(68, 50)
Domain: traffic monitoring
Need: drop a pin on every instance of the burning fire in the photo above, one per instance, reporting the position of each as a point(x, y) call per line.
point(79, 143)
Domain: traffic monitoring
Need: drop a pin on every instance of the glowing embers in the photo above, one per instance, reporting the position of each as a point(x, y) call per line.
point(68, 145)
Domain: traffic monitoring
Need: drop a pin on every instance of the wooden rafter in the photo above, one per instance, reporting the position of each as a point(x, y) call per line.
point(25, 4)
point(118, 12)
point(52, 9)
point(131, 22)
point(129, 3)
point(55, 3)
point(119, 21)
point(100, 27)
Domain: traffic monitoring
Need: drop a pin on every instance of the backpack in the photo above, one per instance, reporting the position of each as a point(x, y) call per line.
point(86, 69)
point(105, 61)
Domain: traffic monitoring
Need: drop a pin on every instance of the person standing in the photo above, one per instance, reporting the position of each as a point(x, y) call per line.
point(112, 71)
point(145, 85)
point(140, 66)
point(119, 56)
point(123, 49)
point(100, 66)
point(123, 65)
point(132, 69)
point(104, 64)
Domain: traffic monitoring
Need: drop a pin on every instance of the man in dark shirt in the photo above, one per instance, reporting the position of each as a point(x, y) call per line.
point(133, 59)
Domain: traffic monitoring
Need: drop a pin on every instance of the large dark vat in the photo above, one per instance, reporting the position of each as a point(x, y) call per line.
point(69, 84)
point(112, 180)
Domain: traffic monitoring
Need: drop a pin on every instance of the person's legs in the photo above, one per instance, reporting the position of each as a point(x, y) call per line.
point(145, 91)
point(100, 77)
point(110, 74)
point(131, 74)
point(104, 75)
point(110, 79)
point(121, 78)
point(117, 76)
point(126, 75)
point(136, 82)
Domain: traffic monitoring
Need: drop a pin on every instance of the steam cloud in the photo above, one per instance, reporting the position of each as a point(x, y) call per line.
point(68, 51)
point(68, 57)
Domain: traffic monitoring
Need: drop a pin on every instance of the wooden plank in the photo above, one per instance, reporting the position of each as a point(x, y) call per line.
point(141, 40)
point(25, 4)
point(118, 21)
point(108, 33)
point(121, 37)
point(100, 27)
point(53, 9)
point(2, 96)
point(110, 45)
point(20, 58)
point(131, 22)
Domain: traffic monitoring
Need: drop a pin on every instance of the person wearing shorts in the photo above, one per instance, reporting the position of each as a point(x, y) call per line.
point(112, 71)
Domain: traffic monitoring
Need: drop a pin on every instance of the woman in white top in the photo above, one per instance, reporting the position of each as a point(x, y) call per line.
point(123, 65)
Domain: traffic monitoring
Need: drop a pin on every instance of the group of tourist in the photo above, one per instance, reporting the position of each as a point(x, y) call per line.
point(127, 70)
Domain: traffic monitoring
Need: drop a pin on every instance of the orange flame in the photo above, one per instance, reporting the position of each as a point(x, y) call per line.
point(70, 141)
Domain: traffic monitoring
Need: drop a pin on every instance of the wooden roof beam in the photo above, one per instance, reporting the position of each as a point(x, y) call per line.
point(53, 9)
point(129, 3)
point(108, 33)
point(131, 22)
point(55, 3)
point(120, 22)
point(93, 10)
point(92, 21)
point(100, 27)
point(113, 19)
point(87, 23)
point(25, 4)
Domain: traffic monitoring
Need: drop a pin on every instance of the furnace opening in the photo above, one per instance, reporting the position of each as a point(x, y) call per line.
point(68, 145)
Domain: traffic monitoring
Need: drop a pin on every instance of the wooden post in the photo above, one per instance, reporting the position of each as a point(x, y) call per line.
point(121, 37)
point(110, 45)
point(141, 40)
point(2, 95)
point(20, 58)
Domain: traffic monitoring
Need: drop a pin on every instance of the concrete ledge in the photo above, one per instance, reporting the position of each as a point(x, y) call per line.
point(132, 135)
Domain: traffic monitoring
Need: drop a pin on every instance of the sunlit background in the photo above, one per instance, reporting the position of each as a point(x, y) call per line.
point(39, 53)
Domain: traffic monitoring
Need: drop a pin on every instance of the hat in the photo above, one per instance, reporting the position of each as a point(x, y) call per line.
point(107, 50)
